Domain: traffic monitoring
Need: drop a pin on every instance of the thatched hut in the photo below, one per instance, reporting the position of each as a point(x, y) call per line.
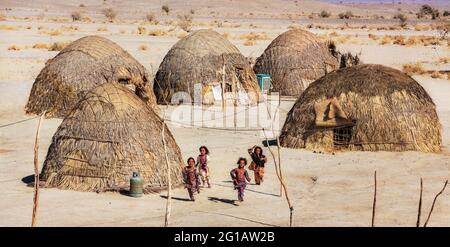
point(295, 59)
point(364, 107)
point(201, 64)
point(80, 67)
point(110, 134)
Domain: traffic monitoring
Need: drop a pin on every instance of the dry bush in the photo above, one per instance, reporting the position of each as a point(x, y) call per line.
point(254, 36)
point(69, 28)
point(437, 75)
point(2, 17)
point(151, 17)
point(324, 14)
point(141, 30)
point(422, 27)
point(41, 46)
point(334, 34)
point(54, 32)
point(110, 14)
point(185, 22)
point(82, 5)
point(9, 28)
point(402, 18)
point(14, 48)
point(122, 31)
point(444, 60)
point(413, 69)
point(143, 47)
point(346, 15)
point(157, 32)
point(102, 29)
point(373, 37)
point(58, 46)
point(165, 8)
point(76, 16)
point(446, 13)
point(249, 43)
point(443, 30)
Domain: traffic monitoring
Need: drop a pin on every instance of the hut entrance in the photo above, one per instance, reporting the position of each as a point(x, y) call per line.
point(342, 136)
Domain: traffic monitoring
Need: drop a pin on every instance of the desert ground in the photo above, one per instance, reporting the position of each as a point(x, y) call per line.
point(326, 189)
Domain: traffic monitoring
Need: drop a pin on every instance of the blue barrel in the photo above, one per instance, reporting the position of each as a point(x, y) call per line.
point(264, 82)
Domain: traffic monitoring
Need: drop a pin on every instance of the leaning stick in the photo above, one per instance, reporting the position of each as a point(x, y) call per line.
point(169, 182)
point(419, 210)
point(374, 198)
point(36, 173)
point(291, 207)
point(434, 202)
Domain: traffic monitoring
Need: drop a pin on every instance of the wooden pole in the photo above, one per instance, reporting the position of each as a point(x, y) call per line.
point(36, 173)
point(374, 198)
point(169, 182)
point(419, 210)
point(434, 202)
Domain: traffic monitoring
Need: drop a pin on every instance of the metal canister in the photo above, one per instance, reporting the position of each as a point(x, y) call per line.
point(136, 185)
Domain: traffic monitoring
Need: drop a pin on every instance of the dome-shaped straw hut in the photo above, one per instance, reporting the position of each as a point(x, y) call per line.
point(364, 107)
point(295, 59)
point(195, 67)
point(80, 67)
point(110, 134)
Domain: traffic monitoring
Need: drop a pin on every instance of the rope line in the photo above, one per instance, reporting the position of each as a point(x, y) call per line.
point(17, 122)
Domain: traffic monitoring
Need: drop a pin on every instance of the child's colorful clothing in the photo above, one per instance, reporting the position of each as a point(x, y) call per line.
point(240, 178)
point(202, 163)
point(191, 181)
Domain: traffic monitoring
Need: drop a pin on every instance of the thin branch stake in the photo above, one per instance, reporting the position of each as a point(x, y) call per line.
point(36, 173)
point(374, 198)
point(419, 210)
point(434, 202)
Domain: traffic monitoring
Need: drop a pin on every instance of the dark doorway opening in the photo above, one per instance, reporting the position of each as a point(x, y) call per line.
point(342, 136)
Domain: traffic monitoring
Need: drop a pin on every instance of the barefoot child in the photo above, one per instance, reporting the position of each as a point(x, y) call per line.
point(259, 160)
point(240, 178)
point(202, 163)
point(191, 179)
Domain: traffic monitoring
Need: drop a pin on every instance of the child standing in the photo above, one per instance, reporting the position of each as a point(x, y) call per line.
point(240, 178)
point(259, 160)
point(191, 179)
point(202, 163)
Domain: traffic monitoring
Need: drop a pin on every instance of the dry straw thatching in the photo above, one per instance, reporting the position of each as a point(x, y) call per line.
point(295, 59)
point(368, 108)
point(80, 67)
point(109, 134)
point(199, 58)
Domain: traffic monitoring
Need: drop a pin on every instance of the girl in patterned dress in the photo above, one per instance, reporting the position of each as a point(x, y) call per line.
point(202, 163)
point(191, 178)
point(240, 178)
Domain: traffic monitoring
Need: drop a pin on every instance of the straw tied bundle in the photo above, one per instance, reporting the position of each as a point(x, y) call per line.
point(200, 58)
point(390, 110)
point(110, 134)
point(295, 59)
point(80, 67)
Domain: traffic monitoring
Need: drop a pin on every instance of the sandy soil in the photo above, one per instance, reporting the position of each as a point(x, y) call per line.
point(326, 189)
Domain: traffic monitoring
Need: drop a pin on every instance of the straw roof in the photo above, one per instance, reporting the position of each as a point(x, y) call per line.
point(369, 108)
point(295, 59)
point(110, 134)
point(78, 68)
point(199, 58)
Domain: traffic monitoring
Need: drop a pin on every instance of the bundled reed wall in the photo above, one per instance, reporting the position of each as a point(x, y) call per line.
point(199, 58)
point(110, 134)
point(392, 112)
point(80, 67)
point(295, 59)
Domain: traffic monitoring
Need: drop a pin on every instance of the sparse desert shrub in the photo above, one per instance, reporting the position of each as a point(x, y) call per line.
point(13, 48)
point(426, 10)
point(346, 15)
point(41, 46)
point(2, 17)
point(102, 29)
point(143, 47)
point(54, 32)
point(185, 22)
point(446, 13)
point(151, 17)
point(402, 18)
point(58, 46)
point(141, 30)
point(437, 75)
point(249, 43)
point(413, 69)
point(157, 32)
point(373, 37)
point(192, 12)
point(165, 8)
point(110, 14)
point(82, 5)
point(254, 36)
point(122, 31)
point(76, 16)
point(8, 28)
point(443, 29)
point(324, 14)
